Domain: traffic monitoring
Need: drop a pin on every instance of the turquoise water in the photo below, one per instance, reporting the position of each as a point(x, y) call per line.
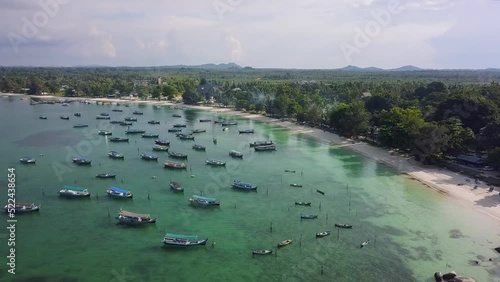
point(413, 231)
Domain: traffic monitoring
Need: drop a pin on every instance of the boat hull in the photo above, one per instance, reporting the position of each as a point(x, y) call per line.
point(185, 243)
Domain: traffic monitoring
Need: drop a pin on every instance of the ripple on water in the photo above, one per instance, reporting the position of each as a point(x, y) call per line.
point(52, 138)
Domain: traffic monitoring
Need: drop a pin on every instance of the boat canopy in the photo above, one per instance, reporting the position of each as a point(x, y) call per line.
point(119, 190)
point(204, 198)
point(180, 236)
point(243, 183)
point(131, 214)
point(73, 188)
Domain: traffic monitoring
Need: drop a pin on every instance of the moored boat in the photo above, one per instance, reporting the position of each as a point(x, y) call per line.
point(77, 114)
point(125, 123)
point(176, 115)
point(150, 135)
point(102, 117)
point(177, 155)
point(135, 131)
point(116, 121)
point(183, 136)
point(116, 155)
point(105, 132)
point(118, 139)
point(105, 175)
point(235, 154)
point(116, 192)
point(261, 143)
point(205, 120)
point(285, 243)
point(179, 125)
point(79, 125)
point(162, 142)
point(246, 131)
point(364, 243)
point(27, 160)
point(149, 157)
point(117, 110)
point(322, 234)
point(183, 240)
point(196, 200)
point(175, 165)
point(199, 147)
point(176, 186)
point(42, 117)
point(229, 123)
point(104, 114)
point(303, 204)
point(262, 252)
point(295, 185)
point(308, 216)
point(174, 130)
point(81, 161)
point(238, 184)
point(160, 148)
point(73, 192)
point(214, 162)
point(130, 119)
point(130, 218)
point(153, 122)
point(64, 117)
point(137, 113)
point(265, 148)
point(199, 130)
point(20, 208)
point(343, 225)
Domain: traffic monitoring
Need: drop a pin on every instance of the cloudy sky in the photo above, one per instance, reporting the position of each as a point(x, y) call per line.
point(259, 33)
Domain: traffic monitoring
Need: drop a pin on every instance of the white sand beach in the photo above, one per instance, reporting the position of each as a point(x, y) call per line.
point(458, 187)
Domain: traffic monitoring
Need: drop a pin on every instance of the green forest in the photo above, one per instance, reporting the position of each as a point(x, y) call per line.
point(430, 114)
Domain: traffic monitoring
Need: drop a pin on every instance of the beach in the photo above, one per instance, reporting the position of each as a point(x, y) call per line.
point(460, 188)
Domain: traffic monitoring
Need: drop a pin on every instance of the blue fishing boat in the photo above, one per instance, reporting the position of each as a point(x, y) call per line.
point(308, 216)
point(130, 218)
point(116, 192)
point(81, 161)
point(214, 162)
point(162, 142)
point(203, 201)
point(73, 192)
point(20, 208)
point(27, 160)
point(183, 240)
point(238, 184)
point(149, 157)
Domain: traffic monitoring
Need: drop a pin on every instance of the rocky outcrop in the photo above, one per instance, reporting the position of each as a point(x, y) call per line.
point(451, 277)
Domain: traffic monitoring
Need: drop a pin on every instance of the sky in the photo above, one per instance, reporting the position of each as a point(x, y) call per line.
point(302, 34)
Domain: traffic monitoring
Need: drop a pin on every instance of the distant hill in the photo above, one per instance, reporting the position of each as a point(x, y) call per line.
point(407, 68)
point(355, 68)
point(207, 66)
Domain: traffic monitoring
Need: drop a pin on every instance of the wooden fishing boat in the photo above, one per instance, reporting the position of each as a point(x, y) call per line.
point(284, 243)
point(235, 154)
point(153, 122)
point(42, 117)
point(119, 193)
point(116, 121)
point(21, 208)
point(214, 162)
point(102, 117)
point(162, 142)
point(137, 113)
point(343, 225)
point(238, 184)
point(308, 216)
point(117, 110)
point(73, 192)
point(105, 175)
point(174, 130)
point(105, 133)
point(176, 115)
point(79, 125)
point(199, 147)
point(199, 130)
point(174, 165)
point(135, 131)
point(321, 192)
point(116, 155)
point(149, 157)
point(303, 204)
point(261, 143)
point(203, 201)
point(64, 117)
point(150, 135)
point(104, 114)
point(183, 136)
point(205, 120)
point(295, 185)
point(177, 187)
point(125, 123)
point(130, 119)
point(130, 218)
point(229, 123)
point(322, 234)
point(291, 171)
point(27, 160)
point(262, 252)
point(81, 161)
point(118, 139)
point(265, 148)
point(246, 131)
point(177, 155)
point(179, 125)
point(77, 114)
point(160, 148)
point(183, 240)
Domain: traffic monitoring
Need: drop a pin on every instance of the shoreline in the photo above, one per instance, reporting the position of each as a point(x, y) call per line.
point(457, 187)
